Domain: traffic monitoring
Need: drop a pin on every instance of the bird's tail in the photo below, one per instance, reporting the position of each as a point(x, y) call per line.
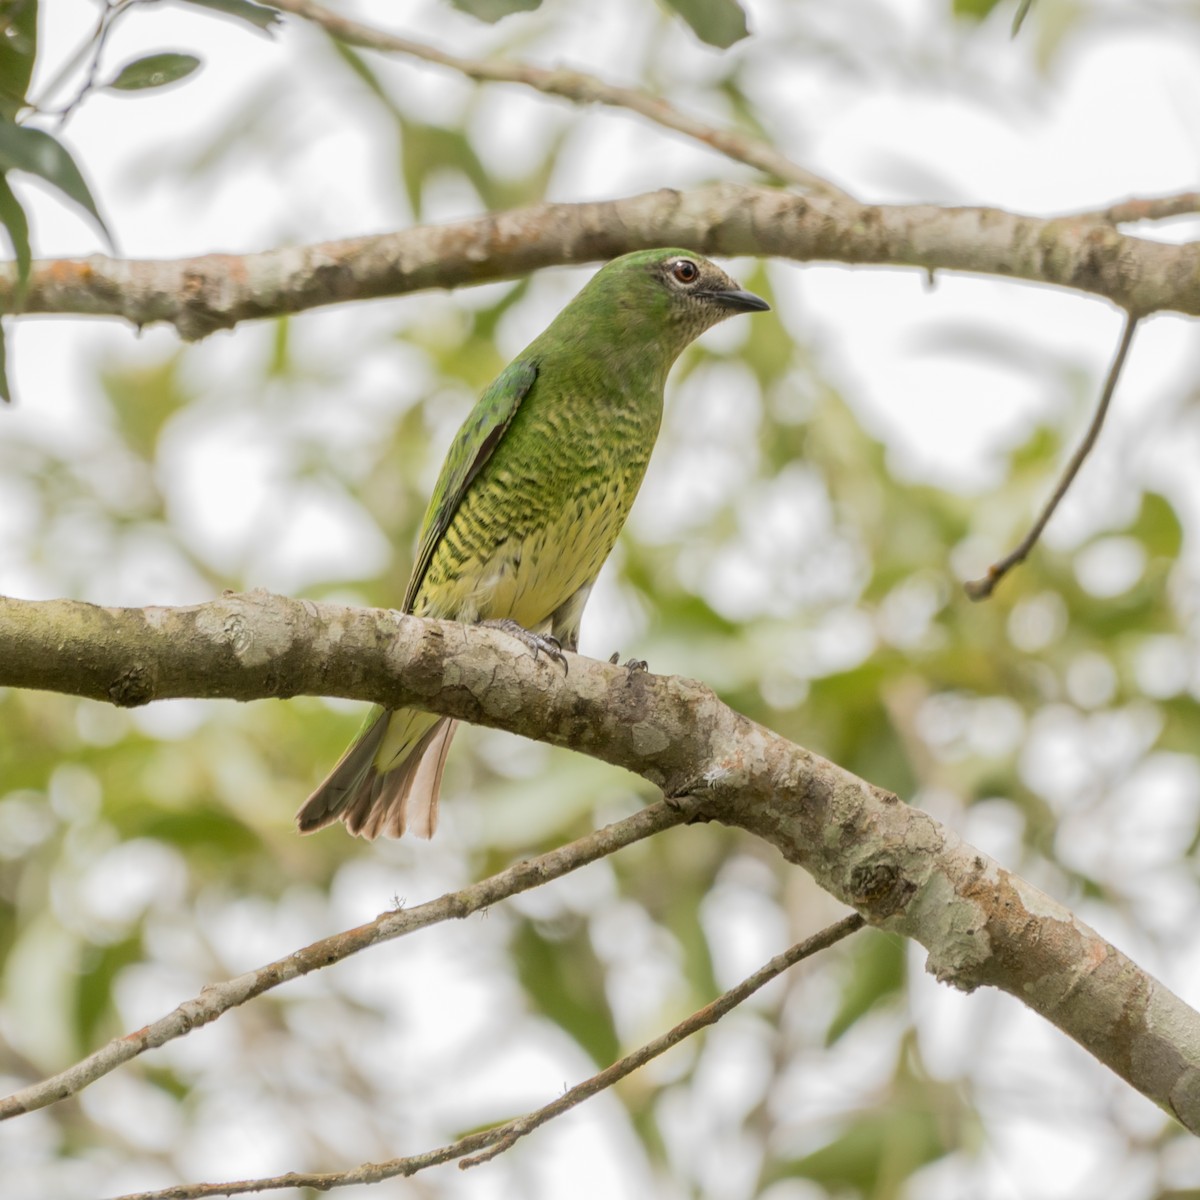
point(388, 780)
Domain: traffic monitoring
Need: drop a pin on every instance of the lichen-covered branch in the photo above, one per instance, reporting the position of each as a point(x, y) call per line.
point(894, 864)
point(217, 291)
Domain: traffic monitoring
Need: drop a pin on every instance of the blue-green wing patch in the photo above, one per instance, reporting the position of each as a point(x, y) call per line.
point(472, 446)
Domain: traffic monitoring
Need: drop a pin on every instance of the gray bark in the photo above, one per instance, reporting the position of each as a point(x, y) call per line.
point(1085, 252)
point(894, 864)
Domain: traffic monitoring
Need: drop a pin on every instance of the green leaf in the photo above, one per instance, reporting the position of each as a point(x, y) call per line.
point(426, 149)
point(206, 835)
point(363, 71)
point(1020, 15)
point(5, 390)
point(155, 70)
point(491, 11)
point(18, 49)
point(144, 398)
point(12, 216)
point(25, 149)
point(167, 1081)
point(562, 976)
point(974, 10)
point(1181, 719)
point(259, 15)
point(1039, 450)
point(717, 22)
point(1157, 527)
point(876, 1145)
point(98, 972)
point(876, 974)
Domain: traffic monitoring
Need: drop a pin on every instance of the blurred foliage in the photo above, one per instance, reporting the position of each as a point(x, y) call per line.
point(974, 9)
point(493, 10)
point(144, 854)
point(18, 51)
point(717, 22)
point(260, 16)
point(876, 1154)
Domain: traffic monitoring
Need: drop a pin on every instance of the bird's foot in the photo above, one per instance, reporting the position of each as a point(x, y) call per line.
point(631, 664)
point(543, 643)
point(682, 801)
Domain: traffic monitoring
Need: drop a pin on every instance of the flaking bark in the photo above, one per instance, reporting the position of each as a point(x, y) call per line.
point(898, 867)
point(199, 296)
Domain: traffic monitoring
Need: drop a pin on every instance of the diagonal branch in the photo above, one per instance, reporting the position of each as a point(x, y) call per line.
point(219, 998)
point(576, 86)
point(488, 1143)
point(710, 1014)
point(897, 866)
point(981, 589)
point(217, 291)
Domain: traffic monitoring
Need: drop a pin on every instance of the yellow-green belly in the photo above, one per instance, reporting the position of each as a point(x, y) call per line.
point(519, 564)
point(534, 527)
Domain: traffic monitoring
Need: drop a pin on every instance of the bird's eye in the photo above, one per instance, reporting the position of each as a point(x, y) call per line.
point(685, 270)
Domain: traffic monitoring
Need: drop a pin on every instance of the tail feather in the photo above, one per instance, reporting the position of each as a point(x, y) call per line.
point(426, 790)
point(402, 795)
point(406, 796)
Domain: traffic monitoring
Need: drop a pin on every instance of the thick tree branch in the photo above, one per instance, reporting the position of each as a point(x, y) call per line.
point(219, 998)
point(217, 291)
point(576, 86)
point(487, 1143)
point(897, 866)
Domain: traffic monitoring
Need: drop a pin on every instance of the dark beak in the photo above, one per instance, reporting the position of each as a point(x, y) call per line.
point(740, 301)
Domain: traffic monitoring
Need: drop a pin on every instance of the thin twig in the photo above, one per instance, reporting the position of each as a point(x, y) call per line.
point(113, 10)
point(710, 1014)
point(218, 998)
point(486, 1144)
point(981, 589)
point(1148, 208)
point(72, 64)
point(576, 86)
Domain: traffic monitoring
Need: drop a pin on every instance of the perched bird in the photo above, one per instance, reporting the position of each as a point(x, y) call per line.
point(536, 486)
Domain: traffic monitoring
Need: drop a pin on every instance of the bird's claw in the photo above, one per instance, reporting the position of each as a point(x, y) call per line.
point(632, 665)
point(544, 643)
point(681, 801)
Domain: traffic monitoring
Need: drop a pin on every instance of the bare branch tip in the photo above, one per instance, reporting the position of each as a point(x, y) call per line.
point(981, 589)
point(476, 1160)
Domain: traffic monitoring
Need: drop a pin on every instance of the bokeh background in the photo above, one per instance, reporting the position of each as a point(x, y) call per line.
point(826, 477)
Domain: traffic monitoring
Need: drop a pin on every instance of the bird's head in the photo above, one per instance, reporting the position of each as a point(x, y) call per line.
point(679, 287)
point(657, 301)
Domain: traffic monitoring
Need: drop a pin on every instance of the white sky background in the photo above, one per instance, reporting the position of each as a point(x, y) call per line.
point(1118, 117)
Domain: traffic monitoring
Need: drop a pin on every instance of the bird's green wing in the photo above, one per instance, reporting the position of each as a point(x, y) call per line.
point(473, 445)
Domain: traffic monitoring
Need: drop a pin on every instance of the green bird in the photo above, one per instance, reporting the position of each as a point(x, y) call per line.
point(534, 491)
